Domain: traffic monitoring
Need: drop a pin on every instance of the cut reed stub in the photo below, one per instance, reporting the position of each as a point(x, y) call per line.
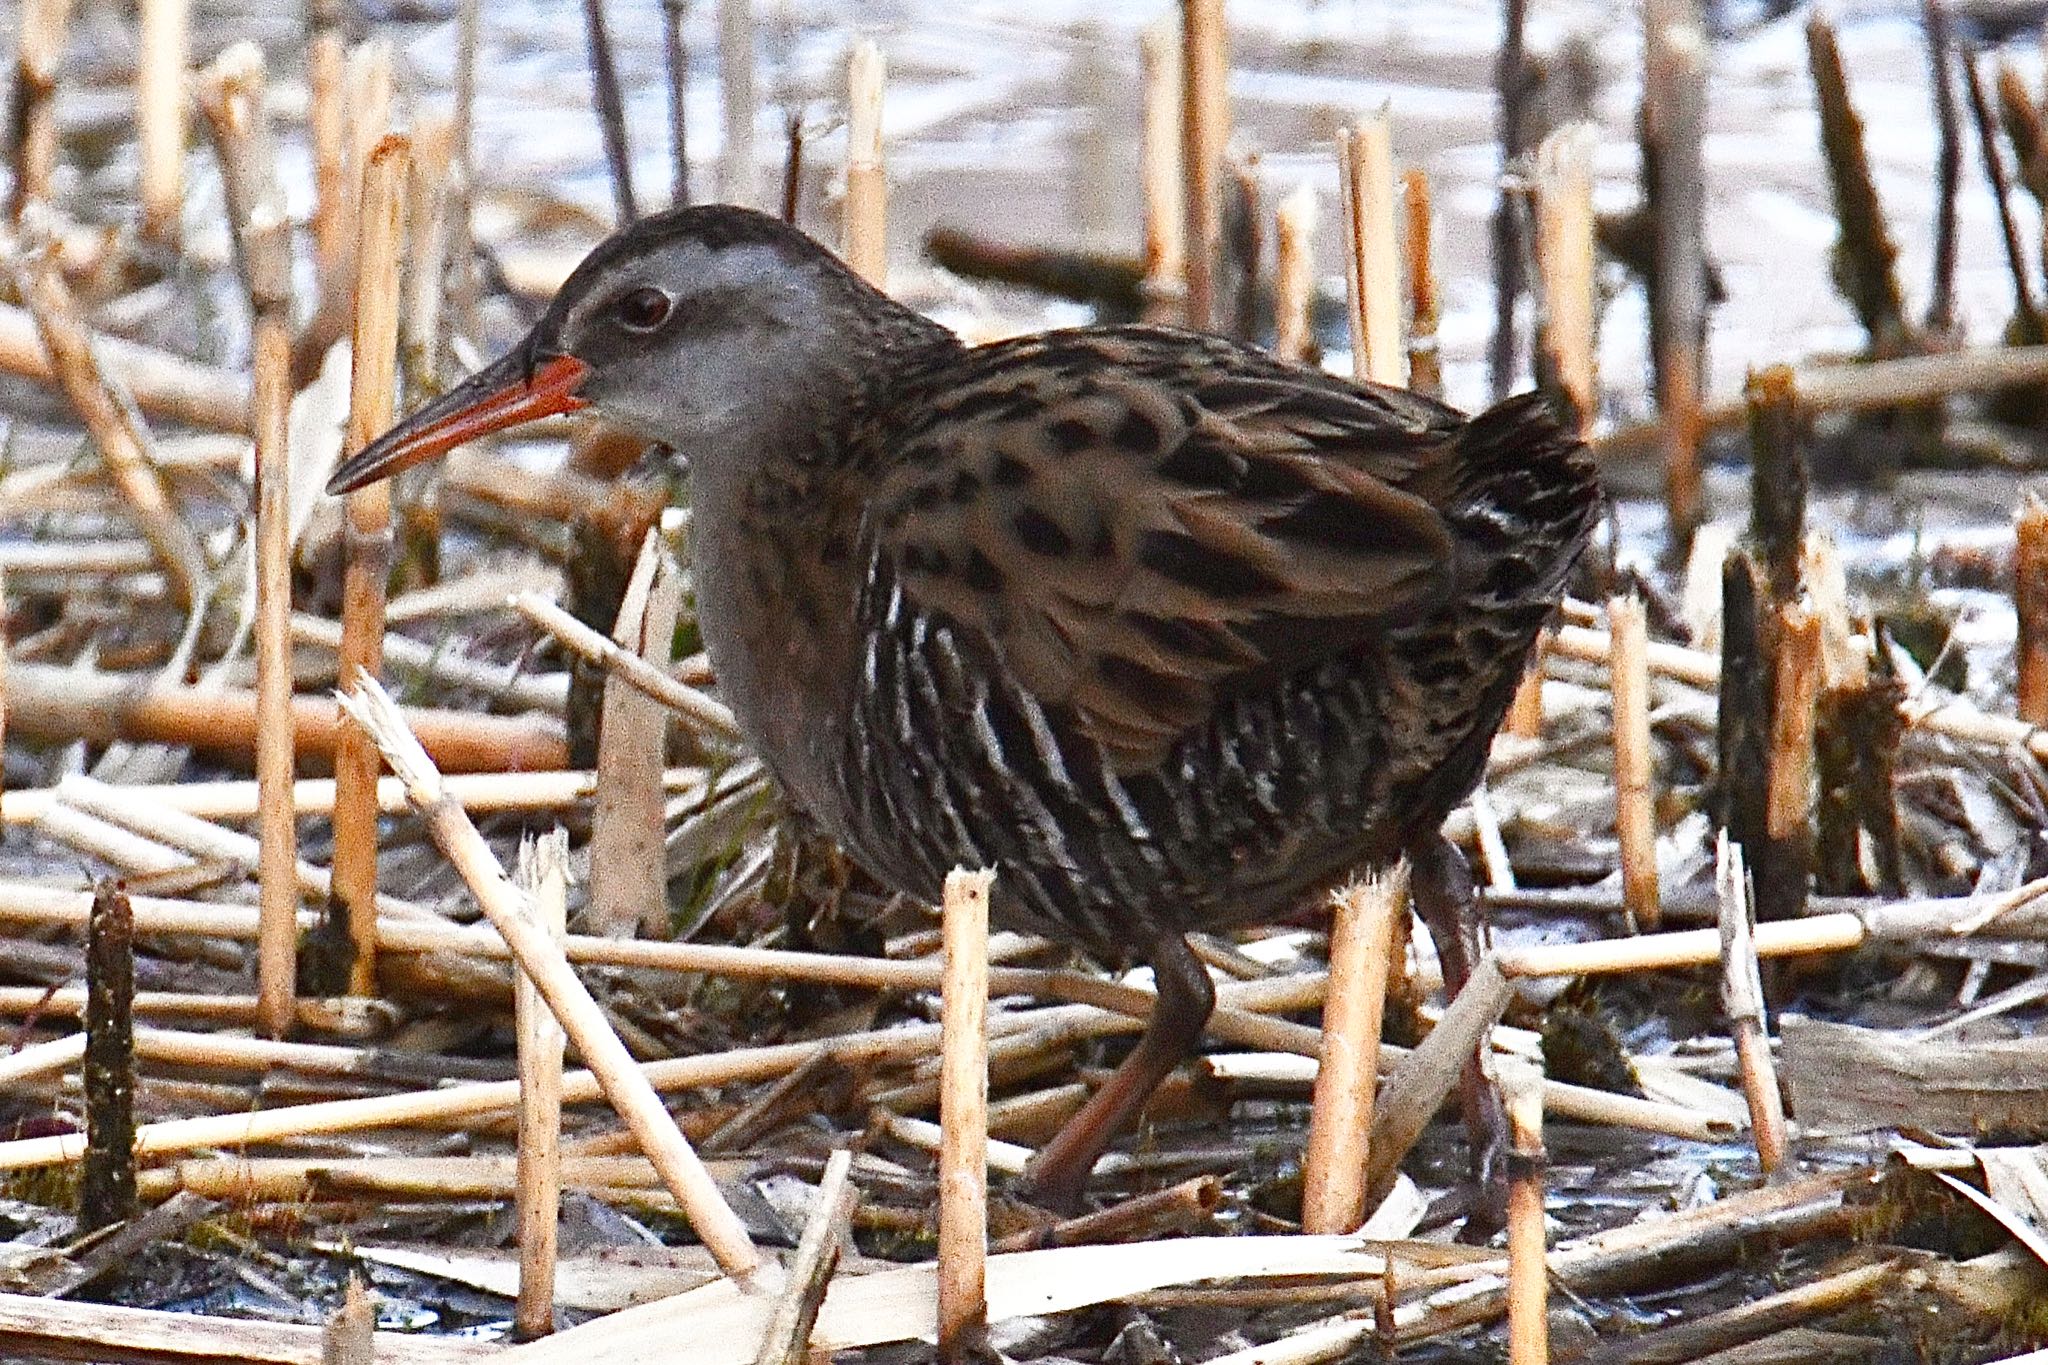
point(963, 1114)
point(1635, 813)
point(1528, 1260)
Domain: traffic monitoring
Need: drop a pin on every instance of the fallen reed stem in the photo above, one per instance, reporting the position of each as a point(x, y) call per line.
point(373, 389)
point(49, 702)
point(705, 711)
point(543, 875)
point(963, 1113)
point(1333, 1164)
point(787, 1340)
point(159, 384)
point(567, 998)
point(1365, 165)
point(865, 232)
point(110, 419)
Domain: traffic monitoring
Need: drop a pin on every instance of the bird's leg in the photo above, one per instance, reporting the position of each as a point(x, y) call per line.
point(1059, 1173)
point(1441, 884)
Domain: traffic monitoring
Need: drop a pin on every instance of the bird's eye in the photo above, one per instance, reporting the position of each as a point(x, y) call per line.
point(643, 309)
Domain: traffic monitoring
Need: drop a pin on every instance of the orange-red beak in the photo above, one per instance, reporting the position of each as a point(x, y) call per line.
point(503, 394)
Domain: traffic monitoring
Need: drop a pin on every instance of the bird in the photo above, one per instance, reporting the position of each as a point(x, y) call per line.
point(1173, 636)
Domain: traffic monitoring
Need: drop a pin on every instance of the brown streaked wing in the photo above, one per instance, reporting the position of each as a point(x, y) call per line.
point(1137, 527)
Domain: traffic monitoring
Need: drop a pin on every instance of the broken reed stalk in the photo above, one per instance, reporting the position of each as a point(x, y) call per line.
point(628, 872)
point(1161, 165)
point(865, 233)
point(1205, 134)
point(787, 1340)
point(1425, 362)
point(1528, 1263)
point(1857, 731)
point(1674, 117)
point(52, 702)
point(107, 1194)
point(1778, 476)
point(567, 998)
point(1426, 1076)
point(108, 414)
point(349, 1337)
point(32, 117)
point(543, 874)
point(963, 1115)
point(1333, 1164)
point(1866, 260)
point(676, 62)
point(161, 384)
point(1564, 265)
point(611, 110)
point(162, 52)
point(1635, 812)
point(736, 174)
point(327, 132)
point(426, 216)
point(1788, 799)
point(1294, 277)
point(2030, 602)
point(1372, 259)
point(1742, 997)
point(373, 388)
point(1744, 714)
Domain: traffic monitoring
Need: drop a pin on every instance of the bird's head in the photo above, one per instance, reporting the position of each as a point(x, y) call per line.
point(699, 328)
